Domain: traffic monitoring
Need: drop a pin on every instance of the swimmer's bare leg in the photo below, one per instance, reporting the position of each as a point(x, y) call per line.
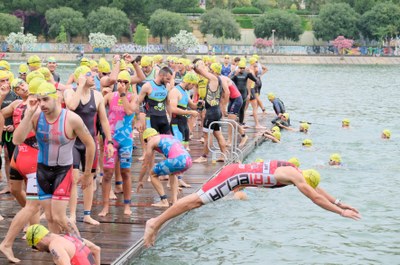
point(183, 205)
point(106, 189)
point(160, 190)
point(174, 188)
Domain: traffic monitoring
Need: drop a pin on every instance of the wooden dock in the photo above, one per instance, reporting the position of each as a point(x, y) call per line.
point(120, 237)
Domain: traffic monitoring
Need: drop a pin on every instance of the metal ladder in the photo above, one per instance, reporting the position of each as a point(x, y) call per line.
point(235, 154)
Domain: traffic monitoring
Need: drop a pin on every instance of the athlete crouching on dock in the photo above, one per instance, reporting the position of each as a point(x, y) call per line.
point(269, 174)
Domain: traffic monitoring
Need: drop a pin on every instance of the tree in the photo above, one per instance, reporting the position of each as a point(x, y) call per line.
point(9, 23)
point(286, 25)
point(20, 41)
point(102, 41)
point(62, 36)
point(383, 20)
point(220, 23)
point(108, 20)
point(336, 20)
point(362, 6)
point(141, 35)
point(167, 24)
point(72, 21)
point(184, 40)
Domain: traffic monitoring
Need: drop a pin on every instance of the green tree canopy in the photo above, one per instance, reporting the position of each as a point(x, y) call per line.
point(336, 20)
point(9, 23)
point(382, 20)
point(166, 24)
point(108, 20)
point(220, 23)
point(286, 25)
point(141, 35)
point(72, 21)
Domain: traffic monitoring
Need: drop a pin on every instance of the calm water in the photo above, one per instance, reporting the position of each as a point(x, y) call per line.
point(284, 227)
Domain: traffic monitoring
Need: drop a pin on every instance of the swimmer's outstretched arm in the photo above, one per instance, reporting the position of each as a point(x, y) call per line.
point(337, 202)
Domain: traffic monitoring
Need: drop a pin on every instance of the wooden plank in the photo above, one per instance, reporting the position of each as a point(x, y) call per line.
point(118, 233)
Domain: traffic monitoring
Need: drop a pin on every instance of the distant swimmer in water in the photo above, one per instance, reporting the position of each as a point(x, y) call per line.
point(268, 174)
point(283, 122)
point(386, 134)
point(345, 123)
point(307, 143)
point(304, 126)
point(274, 136)
point(335, 160)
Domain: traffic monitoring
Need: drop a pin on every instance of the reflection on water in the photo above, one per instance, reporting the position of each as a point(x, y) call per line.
point(282, 226)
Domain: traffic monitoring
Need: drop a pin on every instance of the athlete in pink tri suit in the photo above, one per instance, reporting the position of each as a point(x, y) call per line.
point(269, 174)
point(122, 107)
point(56, 130)
point(178, 160)
point(65, 249)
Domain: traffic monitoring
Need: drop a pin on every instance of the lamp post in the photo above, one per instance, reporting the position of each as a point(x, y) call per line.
point(147, 40)
point(273, 41)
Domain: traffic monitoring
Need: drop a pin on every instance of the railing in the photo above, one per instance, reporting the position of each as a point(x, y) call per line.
point(235, 153)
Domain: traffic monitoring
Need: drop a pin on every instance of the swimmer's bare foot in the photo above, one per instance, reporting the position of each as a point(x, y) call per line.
point(201, 140)
point(162, 204)
point(148, 178)
point(8, 252)
point(141, 158)
point(104, 212)
point(260, 127)
point(201, 159)
point(6, 190)
point(1, 218)
point(127, 209)
point(243, 141)
point(118, 189)
point(89, 220)
point(112, 195)
point(221, 159)
point(150, 233)
point(183, 184)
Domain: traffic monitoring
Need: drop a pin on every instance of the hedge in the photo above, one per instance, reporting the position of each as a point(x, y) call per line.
point(245, 22)
point(246, 10)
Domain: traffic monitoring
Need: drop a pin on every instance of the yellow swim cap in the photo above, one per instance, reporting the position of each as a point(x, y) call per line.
point(294, 161)
point(16, 83)
point(33, 75)
point(252, 60)
point(191, 78)
point(206, 59)
point(34, 61)
point(23, 68)
point(277, 135)
point(35, 233)
point(387, 133)
point(51, 59)
point(47, 89)
point(304, 125)
point(312, 177)
point(146, 61)
point(158, 58)
point(216, 67)
point(104, 66)
point(4, 74)
point(45, 72)
point(122, 65)
point(286, 115)
point(124, 75)
point(34, 84)
point(149, 132)
point(81, 70)
point(256, 56)
point(307, 142)
point(276, 129)
point(85, 62)
point(271, 96)
point(4, 65)
point(213, 59)
point(93, 63)
point(259, 160)
point(242, 64)
point(336, 157)
point(346, 122)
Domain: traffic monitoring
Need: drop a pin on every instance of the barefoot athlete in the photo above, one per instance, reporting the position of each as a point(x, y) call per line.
point(88, 103)
point(268, 174)
point(178, 160)
point(56, 130)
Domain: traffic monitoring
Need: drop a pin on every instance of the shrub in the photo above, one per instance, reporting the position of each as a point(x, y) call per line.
point(246, 10)
point(245, 22)
point(197, 10)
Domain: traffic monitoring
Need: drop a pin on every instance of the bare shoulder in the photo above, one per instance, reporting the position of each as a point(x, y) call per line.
point(288, 175)
point(73, 119)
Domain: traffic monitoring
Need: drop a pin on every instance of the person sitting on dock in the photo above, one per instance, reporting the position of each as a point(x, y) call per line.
point(65, 249)
point(267, 174)
point(178, 160)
